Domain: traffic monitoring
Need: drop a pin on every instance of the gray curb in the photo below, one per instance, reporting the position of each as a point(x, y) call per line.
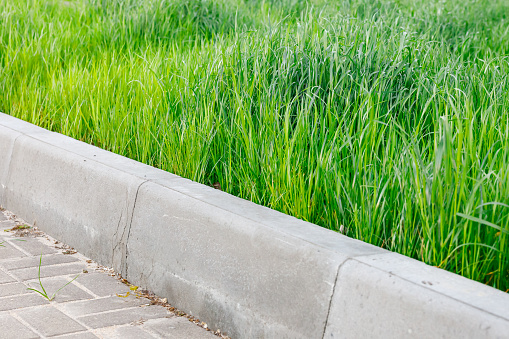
point(246, 269)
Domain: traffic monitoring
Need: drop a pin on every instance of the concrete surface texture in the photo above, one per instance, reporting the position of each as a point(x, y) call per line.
point(94, 305)
point(245, 269)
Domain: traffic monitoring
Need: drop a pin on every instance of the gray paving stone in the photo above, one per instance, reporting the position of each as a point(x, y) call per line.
point(21, 301)
point(70, 292)
point(124, 332)
point(11, 328)
point(7, 251)
point(5, 278)
point(25, 262)
point(80, 335)
point(83, 308)
point(176, 328)
point(49, 321)
point(102, 284)
point(35, 247)
point(49, 271)
point(13, 289)
point(122, 317)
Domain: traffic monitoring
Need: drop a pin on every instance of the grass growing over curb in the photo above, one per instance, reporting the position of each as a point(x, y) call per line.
point(385, 120)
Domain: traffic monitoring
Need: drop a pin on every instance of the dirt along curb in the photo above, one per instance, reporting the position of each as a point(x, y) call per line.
point(245, 269)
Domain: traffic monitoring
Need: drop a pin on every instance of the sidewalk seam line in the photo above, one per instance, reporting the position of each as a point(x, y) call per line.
point(21, 320)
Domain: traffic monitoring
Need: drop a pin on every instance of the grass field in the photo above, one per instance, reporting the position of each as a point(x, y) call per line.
point(385, 120)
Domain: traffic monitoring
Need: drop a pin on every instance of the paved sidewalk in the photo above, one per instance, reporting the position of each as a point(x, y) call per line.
point(91, 306)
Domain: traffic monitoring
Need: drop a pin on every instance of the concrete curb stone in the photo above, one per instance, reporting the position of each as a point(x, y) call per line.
point(85, 201)
point(248, 270)
point(214, 260)
point(371, 302)
point(7, 138)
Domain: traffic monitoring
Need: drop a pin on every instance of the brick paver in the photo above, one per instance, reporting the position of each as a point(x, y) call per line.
point(89, 307)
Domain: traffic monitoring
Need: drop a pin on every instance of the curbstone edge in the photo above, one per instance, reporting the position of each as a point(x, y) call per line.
point(246, 269)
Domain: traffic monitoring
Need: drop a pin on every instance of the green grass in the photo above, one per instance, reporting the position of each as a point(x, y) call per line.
point(388, 120)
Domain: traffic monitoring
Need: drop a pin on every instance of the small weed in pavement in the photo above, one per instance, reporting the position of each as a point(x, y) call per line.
point(43, 291)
